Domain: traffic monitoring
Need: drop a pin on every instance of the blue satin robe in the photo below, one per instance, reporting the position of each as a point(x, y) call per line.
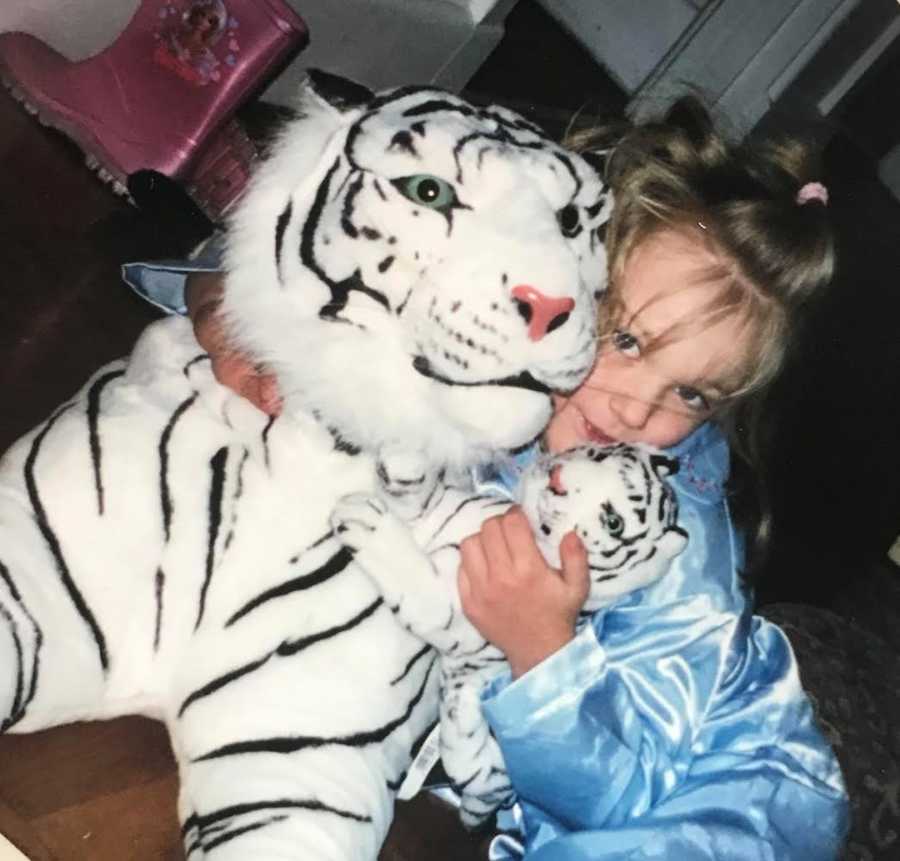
point(674, 725)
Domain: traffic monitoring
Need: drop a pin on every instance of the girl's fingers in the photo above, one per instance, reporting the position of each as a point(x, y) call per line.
point(471, 574)
point(269, 397)
point(258, 388)
point(208, 331)
point(574, 560)
point(202, 289)
point(472, 558)
point(203, 295)
point(496, 552)
point(464, 586)
point(233, 371)
point(520, 540)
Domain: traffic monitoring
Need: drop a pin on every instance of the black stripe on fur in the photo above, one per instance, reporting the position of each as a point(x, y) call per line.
point(411, 663)
point(159, 586)
point(291, 744)
point(281, 225)
point(50, 537)
point(93, 413)
point(217, 465)
point(165, 497)
point(19, 711)
point(285, 650)
point(265, 439)
point(16, 709)
point(337, 563)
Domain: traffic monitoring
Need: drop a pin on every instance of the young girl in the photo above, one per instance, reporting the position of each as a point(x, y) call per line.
point(671, 725)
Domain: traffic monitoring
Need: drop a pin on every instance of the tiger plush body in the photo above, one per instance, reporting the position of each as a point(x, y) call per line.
point(616, 499)
point(418, 272)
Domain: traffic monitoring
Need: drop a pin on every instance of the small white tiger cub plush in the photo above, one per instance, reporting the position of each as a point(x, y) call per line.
point(615, 498)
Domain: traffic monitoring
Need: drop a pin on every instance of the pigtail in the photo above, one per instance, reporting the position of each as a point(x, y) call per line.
point(783, 239)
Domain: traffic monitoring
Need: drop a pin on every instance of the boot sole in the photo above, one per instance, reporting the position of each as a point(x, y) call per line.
point(93, 161)
point(229, 150)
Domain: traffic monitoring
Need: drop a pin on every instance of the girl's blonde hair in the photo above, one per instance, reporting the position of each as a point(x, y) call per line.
point(741, 201)
point(679, 174)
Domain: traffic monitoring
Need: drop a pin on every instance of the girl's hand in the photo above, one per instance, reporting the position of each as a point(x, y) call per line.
point(203, 296)
point(513, 597)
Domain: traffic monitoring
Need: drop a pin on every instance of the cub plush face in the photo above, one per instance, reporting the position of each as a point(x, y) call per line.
point(616, 498)
point(452, 250)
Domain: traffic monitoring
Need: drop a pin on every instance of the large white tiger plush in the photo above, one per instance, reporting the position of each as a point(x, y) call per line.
point(615, 498)
point(419, 273)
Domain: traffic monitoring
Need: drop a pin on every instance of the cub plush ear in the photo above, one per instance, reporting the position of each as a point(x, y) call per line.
point(341, 93)
point(664, 466)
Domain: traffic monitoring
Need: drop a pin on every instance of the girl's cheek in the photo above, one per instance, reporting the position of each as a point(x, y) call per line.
point(671, 429)
point(561, 432)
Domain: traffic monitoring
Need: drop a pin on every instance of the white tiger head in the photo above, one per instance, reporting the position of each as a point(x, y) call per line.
point(420, 271)
point(616, 498)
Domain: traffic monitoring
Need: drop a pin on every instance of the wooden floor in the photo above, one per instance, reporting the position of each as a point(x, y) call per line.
point(102, 791)
point(91, 791)
point(106, 791)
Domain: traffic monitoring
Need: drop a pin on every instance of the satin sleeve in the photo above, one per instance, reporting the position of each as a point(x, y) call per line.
point(162, 282)
point(677, 732)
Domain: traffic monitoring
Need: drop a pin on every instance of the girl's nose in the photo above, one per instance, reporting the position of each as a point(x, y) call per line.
point(632, 412)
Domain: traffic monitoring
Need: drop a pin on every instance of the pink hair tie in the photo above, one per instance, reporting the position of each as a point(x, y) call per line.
point(812, 191)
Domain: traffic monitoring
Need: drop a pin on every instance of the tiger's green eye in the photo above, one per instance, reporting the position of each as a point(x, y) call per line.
point(614, 524)
point(427, 190)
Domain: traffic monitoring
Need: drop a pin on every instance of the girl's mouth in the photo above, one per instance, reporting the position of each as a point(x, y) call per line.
point(594, 434)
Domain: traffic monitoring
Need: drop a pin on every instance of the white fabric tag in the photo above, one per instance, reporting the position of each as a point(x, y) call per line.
point(428, 755)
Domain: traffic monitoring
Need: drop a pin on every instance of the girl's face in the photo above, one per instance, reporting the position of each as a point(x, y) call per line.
point(656, 391)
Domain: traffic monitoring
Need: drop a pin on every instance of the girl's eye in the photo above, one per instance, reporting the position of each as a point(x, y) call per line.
point(614, 524)
point(626, 343)
point(427, 190)
point(569, 219)
point(692, 398)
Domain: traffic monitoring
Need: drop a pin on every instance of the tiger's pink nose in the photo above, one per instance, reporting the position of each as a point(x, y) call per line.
point(542, 313)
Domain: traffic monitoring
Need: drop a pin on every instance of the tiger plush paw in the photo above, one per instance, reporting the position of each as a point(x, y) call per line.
point(380, 541)
point(387, 550)
point(406, 478)
point(357, 518)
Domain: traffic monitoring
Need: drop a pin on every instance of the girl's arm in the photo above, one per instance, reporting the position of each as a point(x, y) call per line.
point(203, 298)
point(194, 287)
point(671, 726)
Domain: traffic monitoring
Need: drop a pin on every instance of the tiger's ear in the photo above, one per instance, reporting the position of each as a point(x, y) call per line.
point(664, 466)
point(341, 93)
point(597, 159)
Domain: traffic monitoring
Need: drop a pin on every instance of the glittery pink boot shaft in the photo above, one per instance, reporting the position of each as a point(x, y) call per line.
point(163, 95)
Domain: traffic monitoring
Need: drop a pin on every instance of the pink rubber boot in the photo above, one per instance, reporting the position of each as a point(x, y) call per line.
point(163, 95)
